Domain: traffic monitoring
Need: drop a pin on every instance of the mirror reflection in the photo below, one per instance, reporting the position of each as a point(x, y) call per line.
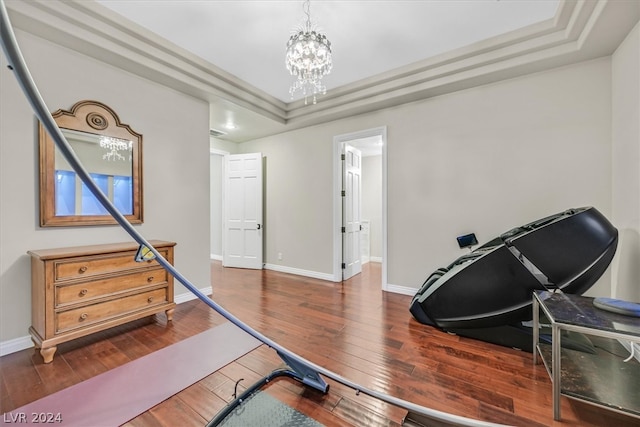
point(108, 160)
point(112, 154)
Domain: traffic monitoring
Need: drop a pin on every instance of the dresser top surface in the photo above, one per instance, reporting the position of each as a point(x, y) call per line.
point(67, 252)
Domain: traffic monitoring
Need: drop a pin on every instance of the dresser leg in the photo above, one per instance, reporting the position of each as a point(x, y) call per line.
point(47, 353)
point(169, 314)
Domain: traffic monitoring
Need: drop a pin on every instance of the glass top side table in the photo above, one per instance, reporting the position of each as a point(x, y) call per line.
point(601, 380)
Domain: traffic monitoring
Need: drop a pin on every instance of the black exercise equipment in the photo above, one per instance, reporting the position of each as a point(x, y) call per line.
point(487, 293)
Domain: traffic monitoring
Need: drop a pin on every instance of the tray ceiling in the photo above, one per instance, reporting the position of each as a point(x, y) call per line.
point(248, 38)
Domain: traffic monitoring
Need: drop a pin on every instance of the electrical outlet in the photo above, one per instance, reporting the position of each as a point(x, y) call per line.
point(279, 256)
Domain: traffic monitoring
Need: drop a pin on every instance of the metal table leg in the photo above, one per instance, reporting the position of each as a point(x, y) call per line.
point(536, 328)
point(555, 363)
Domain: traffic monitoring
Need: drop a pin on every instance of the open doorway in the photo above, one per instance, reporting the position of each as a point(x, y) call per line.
point(372, 237)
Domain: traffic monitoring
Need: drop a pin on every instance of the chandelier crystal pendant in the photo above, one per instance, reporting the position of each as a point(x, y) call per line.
point(308, 59)
point(114, 146)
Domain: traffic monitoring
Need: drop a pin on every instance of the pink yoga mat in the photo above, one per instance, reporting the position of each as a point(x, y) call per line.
point(116, 396)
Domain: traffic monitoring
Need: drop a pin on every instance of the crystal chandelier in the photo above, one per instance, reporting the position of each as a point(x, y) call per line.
point(114, 146)
point(308, 59)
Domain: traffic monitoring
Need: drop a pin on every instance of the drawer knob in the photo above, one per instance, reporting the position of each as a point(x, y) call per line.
point(150, 279)
point(83, 269)
point(150, 299)
point(83, 316)
point(83, 292)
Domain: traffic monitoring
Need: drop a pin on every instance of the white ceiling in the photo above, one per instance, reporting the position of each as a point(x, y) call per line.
point(247, 38)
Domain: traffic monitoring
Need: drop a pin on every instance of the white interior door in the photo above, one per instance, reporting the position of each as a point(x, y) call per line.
point(351, 212)
point(243, 211)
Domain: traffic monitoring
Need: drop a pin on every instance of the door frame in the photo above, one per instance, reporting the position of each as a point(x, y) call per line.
point(223, 154)
point(338, 142)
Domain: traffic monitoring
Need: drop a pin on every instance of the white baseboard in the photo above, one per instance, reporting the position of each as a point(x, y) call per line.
point(404, 290)
point(14, 345)
point(299, 272)
point(23, 343)
point(366, 259)
point(216, 257)
point(189, 296)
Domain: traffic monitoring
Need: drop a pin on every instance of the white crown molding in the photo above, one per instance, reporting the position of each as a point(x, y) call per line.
point(96, 31)
point(549, 44)
point(581, 30)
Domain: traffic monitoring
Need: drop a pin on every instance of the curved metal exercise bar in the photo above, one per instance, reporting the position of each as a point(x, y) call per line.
point(308, 372)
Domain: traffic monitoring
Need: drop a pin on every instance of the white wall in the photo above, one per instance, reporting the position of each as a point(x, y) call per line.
point(494, 157)
point(216, 172)
point(485, 159)
point(175, 167)
point(298, 188)
point(626, 166)
point(222, 145)
point(372, 201)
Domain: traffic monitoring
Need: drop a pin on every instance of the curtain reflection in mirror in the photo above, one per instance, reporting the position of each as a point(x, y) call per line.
point(73, 197)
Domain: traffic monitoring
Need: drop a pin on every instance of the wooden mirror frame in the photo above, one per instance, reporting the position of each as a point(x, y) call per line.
point(93, 118)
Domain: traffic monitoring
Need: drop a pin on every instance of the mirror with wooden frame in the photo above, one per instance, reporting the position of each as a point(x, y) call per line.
point(112, 154)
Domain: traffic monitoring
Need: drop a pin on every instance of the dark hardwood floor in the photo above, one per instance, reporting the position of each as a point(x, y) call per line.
point(352, 328)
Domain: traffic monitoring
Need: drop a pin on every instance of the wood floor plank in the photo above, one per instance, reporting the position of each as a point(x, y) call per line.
point(175, 412)
point(129, 346)
point(5, 396)
point(85, 362)
point(215, 381)
point(206, 403)
point(21, 379)
point(237, 372)
point(146, 419)
point(357, 415)
point(228, 389)
point(57, 375)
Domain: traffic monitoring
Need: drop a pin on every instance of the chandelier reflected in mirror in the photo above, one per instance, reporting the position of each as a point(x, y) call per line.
point(308, 59)
point(114, 147)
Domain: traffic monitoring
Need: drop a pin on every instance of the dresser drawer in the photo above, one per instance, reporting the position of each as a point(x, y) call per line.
point(84, 316)
point(87, 291)
point(75, 268)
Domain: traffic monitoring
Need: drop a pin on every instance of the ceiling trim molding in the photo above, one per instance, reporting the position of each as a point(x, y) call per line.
point(98, 32)
point(554, 42)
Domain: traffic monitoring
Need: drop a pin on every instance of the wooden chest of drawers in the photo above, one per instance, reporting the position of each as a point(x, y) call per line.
point(81, 290)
